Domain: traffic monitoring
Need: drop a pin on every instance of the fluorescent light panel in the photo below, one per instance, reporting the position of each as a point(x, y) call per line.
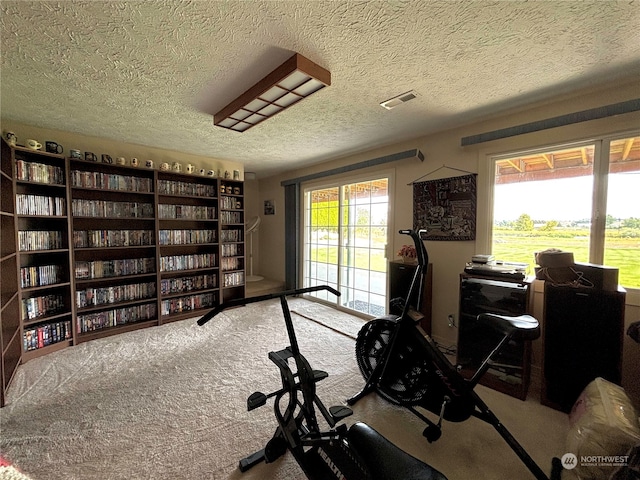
point(295, 79)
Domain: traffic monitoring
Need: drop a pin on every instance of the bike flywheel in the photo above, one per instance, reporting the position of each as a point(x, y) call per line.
point(406, 376)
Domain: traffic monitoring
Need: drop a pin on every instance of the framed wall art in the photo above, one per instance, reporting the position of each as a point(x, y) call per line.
point(446, 208)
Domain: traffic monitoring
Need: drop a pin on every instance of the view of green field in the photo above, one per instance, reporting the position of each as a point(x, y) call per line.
point(622, 252)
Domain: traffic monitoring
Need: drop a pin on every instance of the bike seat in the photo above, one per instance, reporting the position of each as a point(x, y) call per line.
point(524, 327)
point(384, 459)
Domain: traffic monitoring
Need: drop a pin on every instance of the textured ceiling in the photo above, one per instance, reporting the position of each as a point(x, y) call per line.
point(154, 72)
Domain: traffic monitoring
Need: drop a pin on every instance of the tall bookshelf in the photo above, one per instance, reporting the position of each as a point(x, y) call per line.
point(114, 248)
point(90, 249)
point(232, 252)
point(42, 229)
point(10, 338)
point(188, 245)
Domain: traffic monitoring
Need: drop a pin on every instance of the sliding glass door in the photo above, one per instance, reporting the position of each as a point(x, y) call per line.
point(345, 239)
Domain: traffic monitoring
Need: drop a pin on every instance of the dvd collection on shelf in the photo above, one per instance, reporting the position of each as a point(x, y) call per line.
point(32, 240)
point(40, 276)
point(228, 218)
point(185, 304)
point(233, 279)
point(35, 307)
point(176, 187)
point(227, 236)
point(156, 285)
point(40, 205)
point(113, 268)
point(172, 263)
point(108, 209)
point(90, 297)
point(39, 172)
point(186, 237)
point(230, 263)
point(187, 284)
point(190, 212)
point(48, 334)
point(112, 238)
point(230, 203)
point(112, 318)
point(108, 181)
point(231, 250)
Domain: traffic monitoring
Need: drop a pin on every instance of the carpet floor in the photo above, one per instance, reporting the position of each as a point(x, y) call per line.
point(169, 402)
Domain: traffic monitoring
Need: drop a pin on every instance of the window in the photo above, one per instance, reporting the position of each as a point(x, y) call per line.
point(580, 198)
point(345, 243)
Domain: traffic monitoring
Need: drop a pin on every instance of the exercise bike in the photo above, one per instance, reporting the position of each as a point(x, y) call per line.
point(404, 366)
point(355, 453)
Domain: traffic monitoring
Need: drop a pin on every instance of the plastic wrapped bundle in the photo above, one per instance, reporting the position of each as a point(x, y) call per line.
point(604, 428)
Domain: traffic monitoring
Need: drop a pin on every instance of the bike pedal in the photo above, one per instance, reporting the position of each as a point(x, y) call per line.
point(338, 412)
point(255, 400)
point(319, 375)
point(283, 354)
point(432, 433)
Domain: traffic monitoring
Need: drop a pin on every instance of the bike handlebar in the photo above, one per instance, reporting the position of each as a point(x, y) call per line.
point(244, 301)
point(421, 251)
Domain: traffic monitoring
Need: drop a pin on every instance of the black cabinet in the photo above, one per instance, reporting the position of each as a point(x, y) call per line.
point(583, 333)
point(400, 277)
point(510, 370)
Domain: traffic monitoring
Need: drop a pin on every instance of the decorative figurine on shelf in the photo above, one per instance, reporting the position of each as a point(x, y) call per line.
point(11, 138)
point(177, 167)
point(408, 254)
point(227, 175)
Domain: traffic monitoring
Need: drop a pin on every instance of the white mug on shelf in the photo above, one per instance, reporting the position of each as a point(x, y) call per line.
point(33, 144)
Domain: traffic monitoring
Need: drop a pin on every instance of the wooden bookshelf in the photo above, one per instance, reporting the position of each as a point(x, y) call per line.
point(232, 261)
point(188, 245)
point(10, 338)
point(44, 314)
point(90, 249)
point(114, 247)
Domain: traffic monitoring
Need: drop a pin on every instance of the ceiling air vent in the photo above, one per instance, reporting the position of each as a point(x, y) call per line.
point(402, 98)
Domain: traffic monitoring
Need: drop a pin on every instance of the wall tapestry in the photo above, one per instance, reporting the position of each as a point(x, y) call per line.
point(446, 208)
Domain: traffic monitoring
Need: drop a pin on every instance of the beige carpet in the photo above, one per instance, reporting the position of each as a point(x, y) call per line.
point(170, 403)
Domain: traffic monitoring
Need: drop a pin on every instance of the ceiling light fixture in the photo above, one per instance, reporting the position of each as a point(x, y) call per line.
point(295, 79)
point(400, 99)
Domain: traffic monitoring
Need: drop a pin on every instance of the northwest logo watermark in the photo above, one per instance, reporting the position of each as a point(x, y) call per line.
point(571, 461)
